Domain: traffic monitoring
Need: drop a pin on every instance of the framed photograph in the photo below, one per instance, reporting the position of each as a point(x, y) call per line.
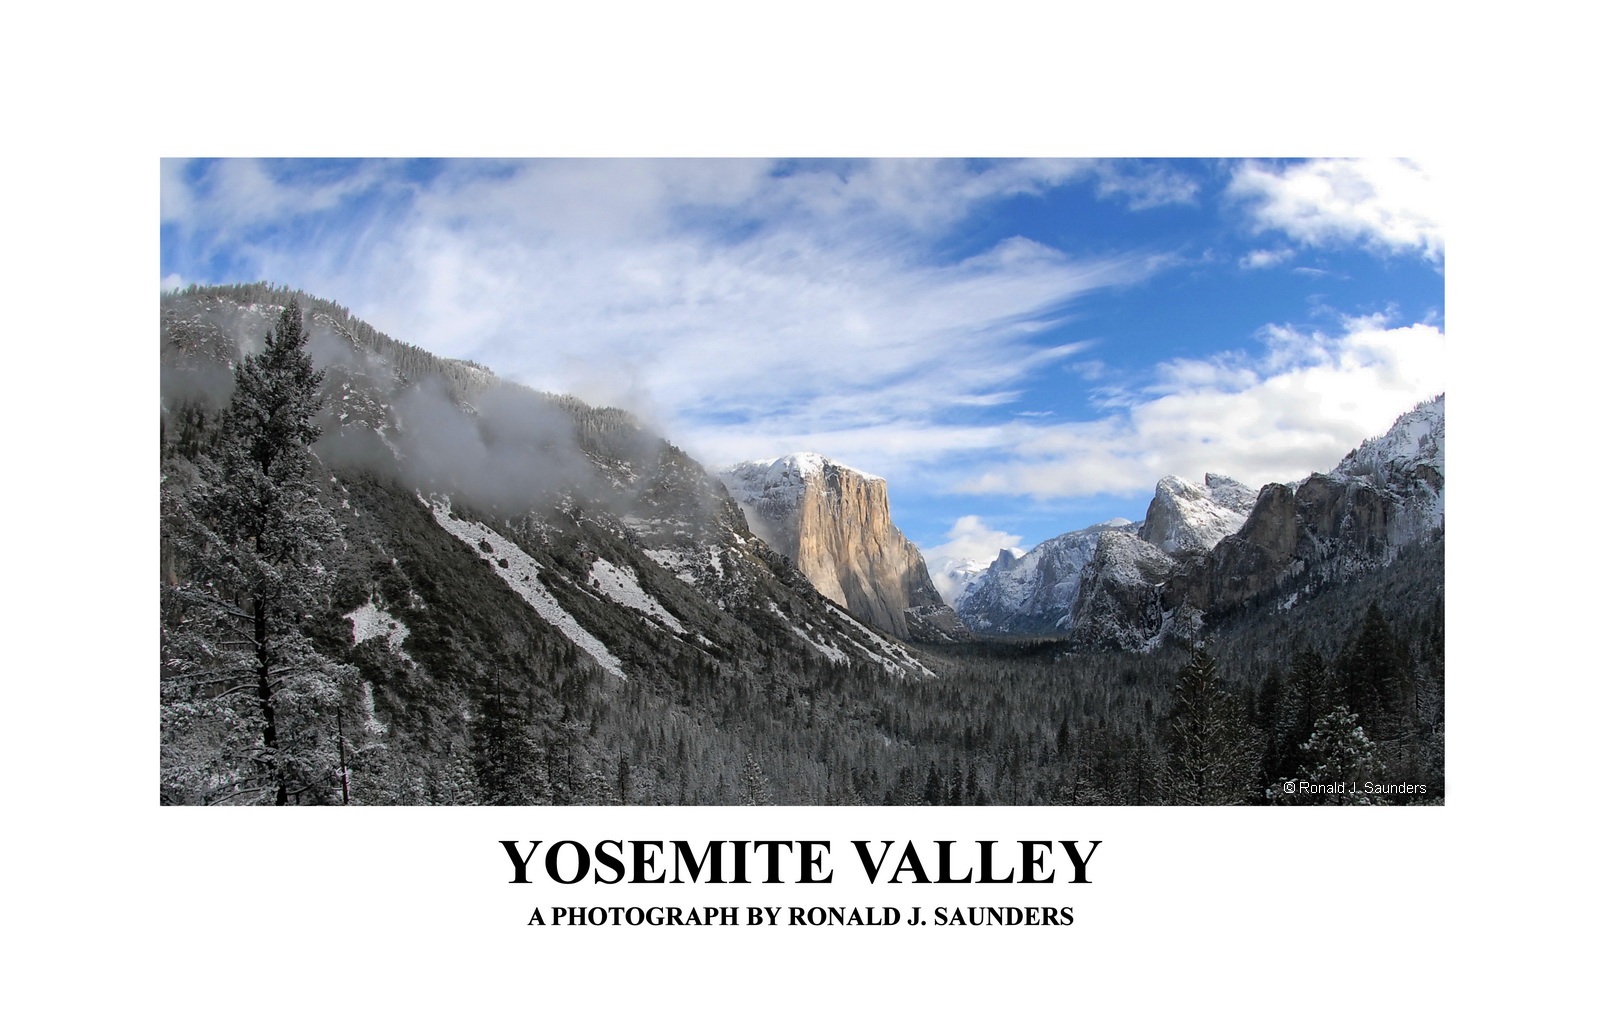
point(568, 482)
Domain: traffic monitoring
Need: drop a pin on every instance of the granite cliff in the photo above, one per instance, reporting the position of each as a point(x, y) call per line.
point(833, 522)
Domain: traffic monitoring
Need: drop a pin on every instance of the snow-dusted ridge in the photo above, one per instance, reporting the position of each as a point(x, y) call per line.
point(1415, 440)
point(789, 469)
point(1033, 591)
point(894, 658)
point(1186, 517)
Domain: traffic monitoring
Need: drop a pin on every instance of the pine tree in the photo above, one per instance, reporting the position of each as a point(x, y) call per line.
point(933, 786)
point(248, 704)
point(756, 791)
point(1304, 699)
point(507, 756)
point(1372, 672)
point(1269, 705)
point(1214, 756)
point(1341, 760)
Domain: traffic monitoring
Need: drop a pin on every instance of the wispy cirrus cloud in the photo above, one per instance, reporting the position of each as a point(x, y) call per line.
point(226, 199)
point(1144, 187)
point(1263, 258)
point(702, 294)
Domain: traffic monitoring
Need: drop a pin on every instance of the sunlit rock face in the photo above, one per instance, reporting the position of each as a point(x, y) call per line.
point(833, 522)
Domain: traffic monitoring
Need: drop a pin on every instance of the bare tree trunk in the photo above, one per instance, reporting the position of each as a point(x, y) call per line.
point(269, 734)
point(344, 770)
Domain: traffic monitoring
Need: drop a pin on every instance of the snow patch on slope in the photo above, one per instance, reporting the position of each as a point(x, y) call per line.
point(894, 658)
point(689, 566)
point(680, 562)
point(832, 653)
point(521, 572)
point(369, 621)
point(624, 588)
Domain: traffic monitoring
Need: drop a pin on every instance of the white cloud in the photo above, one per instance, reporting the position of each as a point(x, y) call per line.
point(236, 194)
point(1386, 204)
point(1297, 410)
point(747, 313)
point(1143, 186)
point(1261, 259)
point(968, 543)
point(802, 305)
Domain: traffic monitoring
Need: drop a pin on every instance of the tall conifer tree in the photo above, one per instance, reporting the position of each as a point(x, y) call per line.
point(247, 700)
point(1214, 755)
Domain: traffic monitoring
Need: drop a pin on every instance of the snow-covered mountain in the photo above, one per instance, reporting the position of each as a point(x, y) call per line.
point(1408, 464)
point(1119, 599)
point(1039, 593)
point(1189, 518)
point(502, 549)
point(1385, 495)
point(833, 522)
point(1033, 593)
point(1205, 550)
point(954, 576)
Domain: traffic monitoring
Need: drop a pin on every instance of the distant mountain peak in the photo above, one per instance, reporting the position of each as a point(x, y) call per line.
point(1416, 438)
point(1185, 517)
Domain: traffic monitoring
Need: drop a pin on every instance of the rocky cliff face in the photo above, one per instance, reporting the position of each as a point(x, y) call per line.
point(833, 522)
point(1384, 495)
point(1119, 606)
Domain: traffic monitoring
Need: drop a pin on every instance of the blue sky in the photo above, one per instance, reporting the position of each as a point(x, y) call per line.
point(1021, 347)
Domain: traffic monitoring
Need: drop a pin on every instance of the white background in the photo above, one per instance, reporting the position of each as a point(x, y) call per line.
point(119, 912)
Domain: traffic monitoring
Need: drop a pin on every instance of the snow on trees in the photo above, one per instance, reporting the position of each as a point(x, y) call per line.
point(247, 702)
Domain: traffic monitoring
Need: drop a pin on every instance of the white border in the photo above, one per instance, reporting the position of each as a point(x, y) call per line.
point(195, 920)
